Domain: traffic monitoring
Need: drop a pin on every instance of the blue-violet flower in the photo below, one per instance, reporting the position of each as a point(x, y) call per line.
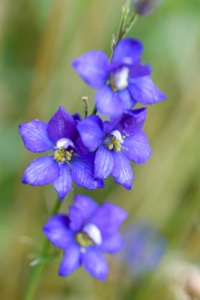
point(70, 159)
point(143, 249)
point(116, 143)
point(87, 231)
point(121, 82)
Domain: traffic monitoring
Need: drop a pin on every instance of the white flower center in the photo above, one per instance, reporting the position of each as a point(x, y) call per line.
point(64, 143)
point(121, 78)
point(118, 136)
point(93, 232)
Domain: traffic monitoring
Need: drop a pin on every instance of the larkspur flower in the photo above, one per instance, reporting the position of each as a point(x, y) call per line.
point(116, 143)
point(143, 249)
point(145, 7)
point(121, 82)
point(84, 234)
point(70, 159)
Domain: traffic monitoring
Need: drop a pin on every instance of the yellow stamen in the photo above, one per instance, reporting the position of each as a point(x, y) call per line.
point(83, 239)
point(62, 155)
point(116, 146)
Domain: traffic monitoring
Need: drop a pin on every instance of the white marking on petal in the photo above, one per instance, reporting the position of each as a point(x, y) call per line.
point(93, 232)
point(118, 136)
point(127, 60)
point(82, 250)
point(64, 143)
point(121, 78)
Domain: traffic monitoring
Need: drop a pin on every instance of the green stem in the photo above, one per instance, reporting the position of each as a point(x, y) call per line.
point(124, 31)
point(124, 16)
point(39, 267)
point(94, 111)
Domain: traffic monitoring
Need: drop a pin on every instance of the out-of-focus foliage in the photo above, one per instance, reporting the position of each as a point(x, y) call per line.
point(38, 40)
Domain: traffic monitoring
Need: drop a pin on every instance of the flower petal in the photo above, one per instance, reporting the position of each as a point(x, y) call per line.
point(143, 90)
point(104, 163)
point(137, 148)
point(132, 121)
point(76, 219)
point(92, 68)
point(62, 125)
point(109, 126)
point(85, 205)
point(112, 244)
point(108, 102)
point(126, 98)
point(83, 170)
point(58, 232)
point(91, 132)
point(128, 51)
point(95, 263)
point(82, 210)
point(140, 70)
point(42, 170)
point(63, 182)
point(108, 218)
point(81, 149)
point(35, 136)
point(122, 171)
point(71, 260)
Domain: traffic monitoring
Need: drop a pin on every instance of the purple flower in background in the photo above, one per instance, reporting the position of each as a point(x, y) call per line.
point(84, 234)
point(143, 248)
point(70, 159)
point(145, 7)
point(116, 143)
point(122, 82)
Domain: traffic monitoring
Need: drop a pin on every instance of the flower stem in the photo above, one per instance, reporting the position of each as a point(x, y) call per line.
point(32, 285)
point(124, 16)
point(94, 111)
point(124, 31)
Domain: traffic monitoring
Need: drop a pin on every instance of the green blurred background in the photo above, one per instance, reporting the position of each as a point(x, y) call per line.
point(38, 40)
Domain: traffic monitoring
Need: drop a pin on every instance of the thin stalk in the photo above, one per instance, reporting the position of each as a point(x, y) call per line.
point(124, 31)
point(94, 111)
point(32, 285)
point(124, 16)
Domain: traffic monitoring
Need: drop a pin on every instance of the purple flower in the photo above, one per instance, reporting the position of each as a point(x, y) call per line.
point(87, 231)
point(120, 83)
point(116, 143)
point(145, 7)
point(143, 248)
point(70, 159)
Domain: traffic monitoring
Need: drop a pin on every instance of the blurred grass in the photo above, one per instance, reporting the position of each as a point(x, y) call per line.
point(38, 40)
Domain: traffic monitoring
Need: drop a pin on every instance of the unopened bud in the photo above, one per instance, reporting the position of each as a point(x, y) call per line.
point(85, 105)
point(145, 7)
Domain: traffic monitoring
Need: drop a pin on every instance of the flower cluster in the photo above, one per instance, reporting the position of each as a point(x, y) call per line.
point(86, 151)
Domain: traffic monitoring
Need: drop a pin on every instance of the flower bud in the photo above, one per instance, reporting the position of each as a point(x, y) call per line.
point(145, 7)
